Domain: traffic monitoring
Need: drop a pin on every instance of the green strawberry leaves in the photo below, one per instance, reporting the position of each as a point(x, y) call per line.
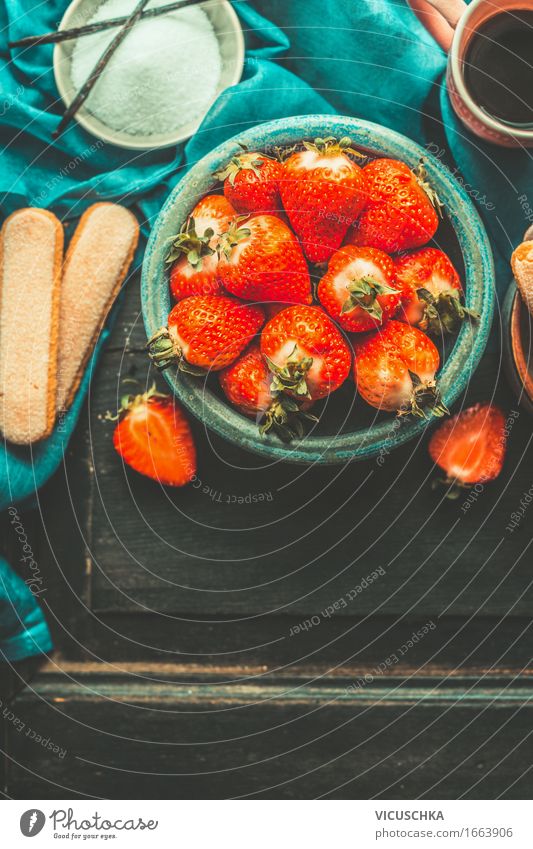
point(236, 164)
point(188, 243)
point(445, 313)
point(364, 293)
point(286, 418)
point(292, 376)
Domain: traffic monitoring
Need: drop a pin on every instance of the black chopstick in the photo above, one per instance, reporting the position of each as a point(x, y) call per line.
point(57, 36)
point(85, 90)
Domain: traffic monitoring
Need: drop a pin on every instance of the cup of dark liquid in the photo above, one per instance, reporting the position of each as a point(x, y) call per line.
point(490, 64)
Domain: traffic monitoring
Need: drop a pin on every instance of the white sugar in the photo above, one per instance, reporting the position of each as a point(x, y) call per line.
point(163, 76)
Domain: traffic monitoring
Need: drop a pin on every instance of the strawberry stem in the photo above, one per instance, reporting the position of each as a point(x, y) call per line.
point(363, 293)
point(425, 398)
point(453, 486)
point(422, 180)
point(188, 243)
point(331, 147)
point(292, 376)
point(286, 418)
point(162, 350)
point(444, 313)
point(128, 402)
point(236, 164)
point(235, 234)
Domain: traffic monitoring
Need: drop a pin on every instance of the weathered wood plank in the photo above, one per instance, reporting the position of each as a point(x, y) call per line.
point(391, 739)
point(309, 538)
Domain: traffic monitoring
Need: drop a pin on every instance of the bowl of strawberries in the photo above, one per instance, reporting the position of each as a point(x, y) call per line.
point(318, 289)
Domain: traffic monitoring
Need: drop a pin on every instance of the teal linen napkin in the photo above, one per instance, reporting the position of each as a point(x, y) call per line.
point(23, 631)
point(366, 58)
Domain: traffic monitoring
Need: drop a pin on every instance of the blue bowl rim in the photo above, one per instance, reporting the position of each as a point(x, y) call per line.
point(469, 346)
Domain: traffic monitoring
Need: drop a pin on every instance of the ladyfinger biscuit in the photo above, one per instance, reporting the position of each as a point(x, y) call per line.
point(31, 254)
point(96, 263)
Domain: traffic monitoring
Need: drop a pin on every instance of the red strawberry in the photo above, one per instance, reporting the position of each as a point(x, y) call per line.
point(399, 212)
point(395, 370)
point(155, 439)
point(306, 352)
point(323, 193)
point(470, 446)
point(193, 251)
point(431, 291)
point(359, 289)
point(247, 383)
point(205, 332)
point(261, 260)
point(251, 183)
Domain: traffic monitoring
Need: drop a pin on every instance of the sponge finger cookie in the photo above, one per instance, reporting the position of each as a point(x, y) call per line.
point(31, 253)
point(97, 261)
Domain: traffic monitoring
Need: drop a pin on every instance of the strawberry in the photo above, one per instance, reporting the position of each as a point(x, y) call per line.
point(395, 370)
point(359, 289)
point(205, 332)
point(193, 251)
point(431, 291)
point(155, 439)
point(305, 352)
point(247, 384)
point(470, 446)
point(323, 193)
point(399, 213)
point(251, 183)
point(261, 260)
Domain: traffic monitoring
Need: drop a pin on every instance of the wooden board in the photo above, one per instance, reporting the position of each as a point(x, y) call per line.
point(117, 736)
point(193, 616)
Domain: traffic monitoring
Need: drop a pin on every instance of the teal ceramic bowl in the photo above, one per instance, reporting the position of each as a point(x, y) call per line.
point(348, 429)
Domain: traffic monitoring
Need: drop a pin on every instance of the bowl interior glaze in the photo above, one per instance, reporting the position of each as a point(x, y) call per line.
point(349, 429)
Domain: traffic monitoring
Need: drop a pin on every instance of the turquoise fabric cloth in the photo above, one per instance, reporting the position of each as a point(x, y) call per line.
point(23, 631)
point(366, 58)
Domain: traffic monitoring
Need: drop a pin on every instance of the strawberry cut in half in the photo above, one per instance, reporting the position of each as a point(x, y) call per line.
point(359, 289)
point(193, 252)
point(470, 447)
point(431, 291)
point(248, 385)
point(399, 212)
point(154, 437)
point(323, 192)
point(251, 183)
point(395, 369)
point(261, 260)
point(306, 353)
point(205, 333)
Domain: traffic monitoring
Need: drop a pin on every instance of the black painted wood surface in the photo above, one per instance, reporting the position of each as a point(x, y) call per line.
point(204, 614)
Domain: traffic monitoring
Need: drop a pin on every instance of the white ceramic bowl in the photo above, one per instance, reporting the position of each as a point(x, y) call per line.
point(231, 42)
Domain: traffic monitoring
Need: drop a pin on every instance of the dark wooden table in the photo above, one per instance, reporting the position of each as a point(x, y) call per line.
point(214, 644)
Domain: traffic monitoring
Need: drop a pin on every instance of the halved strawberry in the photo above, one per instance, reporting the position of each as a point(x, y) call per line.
point(154, 438)
point(359, 289)
point(205, 333)
point(261, 260)
point(431, 291)
point(395, 369)
point(251, 183)
point(306, 352)
point(323, 192)
point(399, 213)
point(193, 252)
point(247, 384)
point(470, 446)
